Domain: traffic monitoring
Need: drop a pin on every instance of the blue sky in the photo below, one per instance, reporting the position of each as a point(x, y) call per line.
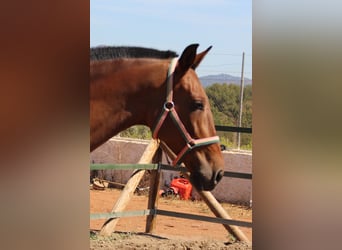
point(166, 24)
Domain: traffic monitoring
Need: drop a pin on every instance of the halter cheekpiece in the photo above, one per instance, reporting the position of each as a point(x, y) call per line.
point(169, 108)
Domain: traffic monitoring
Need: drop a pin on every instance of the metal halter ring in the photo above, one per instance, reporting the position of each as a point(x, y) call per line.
point(168, 106)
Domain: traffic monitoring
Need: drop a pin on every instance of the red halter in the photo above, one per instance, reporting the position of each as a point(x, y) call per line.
point(169, 109)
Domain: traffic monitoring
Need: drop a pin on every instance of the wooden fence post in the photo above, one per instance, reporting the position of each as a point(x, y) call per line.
point(154, 193)
point(131, 185)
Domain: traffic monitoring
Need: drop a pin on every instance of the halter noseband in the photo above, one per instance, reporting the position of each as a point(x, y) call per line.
point(169, 108)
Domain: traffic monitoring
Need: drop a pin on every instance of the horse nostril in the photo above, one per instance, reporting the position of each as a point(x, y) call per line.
point(219, 175)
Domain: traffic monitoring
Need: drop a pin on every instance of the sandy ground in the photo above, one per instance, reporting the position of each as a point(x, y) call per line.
point(170, 232)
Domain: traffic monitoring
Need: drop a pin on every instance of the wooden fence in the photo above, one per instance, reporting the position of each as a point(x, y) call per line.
point(159, 167)
point(139, 169)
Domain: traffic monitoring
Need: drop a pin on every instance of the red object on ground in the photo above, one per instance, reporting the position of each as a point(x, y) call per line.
point(184, 187)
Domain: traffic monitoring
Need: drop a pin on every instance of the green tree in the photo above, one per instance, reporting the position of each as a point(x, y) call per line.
point(224, 101)
point(225, 104)
point(138, 131)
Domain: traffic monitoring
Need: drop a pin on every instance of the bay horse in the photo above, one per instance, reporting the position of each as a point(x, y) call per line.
point(131, 86)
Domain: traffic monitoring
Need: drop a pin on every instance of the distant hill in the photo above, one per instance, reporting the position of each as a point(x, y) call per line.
point(222, 78)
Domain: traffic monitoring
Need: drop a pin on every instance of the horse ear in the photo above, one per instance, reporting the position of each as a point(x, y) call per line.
point(186, 61)
point(199, 58)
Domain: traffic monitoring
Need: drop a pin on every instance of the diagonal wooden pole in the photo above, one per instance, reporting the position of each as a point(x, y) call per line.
point(131, 185)
point(212, 203)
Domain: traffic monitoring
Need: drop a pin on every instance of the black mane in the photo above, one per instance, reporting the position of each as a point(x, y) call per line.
point(106, 52)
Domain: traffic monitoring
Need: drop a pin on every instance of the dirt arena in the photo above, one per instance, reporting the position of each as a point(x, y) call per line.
point(170, 232)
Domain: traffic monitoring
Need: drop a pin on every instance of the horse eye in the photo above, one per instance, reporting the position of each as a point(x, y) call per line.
point(198, 105)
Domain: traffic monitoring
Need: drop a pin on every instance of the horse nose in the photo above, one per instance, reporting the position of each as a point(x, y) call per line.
point(218, 176)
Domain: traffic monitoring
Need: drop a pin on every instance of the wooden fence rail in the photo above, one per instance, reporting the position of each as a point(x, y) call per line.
point(233, 129)
point(145, 212)
point(159, 166)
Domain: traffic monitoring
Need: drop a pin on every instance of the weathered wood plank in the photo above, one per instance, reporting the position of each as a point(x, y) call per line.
point(154, 193)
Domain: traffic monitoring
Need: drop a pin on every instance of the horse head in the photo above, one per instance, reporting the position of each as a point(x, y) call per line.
point(186, 123)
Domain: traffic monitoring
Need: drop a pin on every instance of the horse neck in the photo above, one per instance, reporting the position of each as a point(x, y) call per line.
point(122, 98)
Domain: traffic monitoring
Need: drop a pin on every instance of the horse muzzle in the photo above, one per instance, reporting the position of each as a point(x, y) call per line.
point(206, 181)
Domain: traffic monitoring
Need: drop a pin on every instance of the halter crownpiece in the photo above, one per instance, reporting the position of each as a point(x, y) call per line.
point(169, 108)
